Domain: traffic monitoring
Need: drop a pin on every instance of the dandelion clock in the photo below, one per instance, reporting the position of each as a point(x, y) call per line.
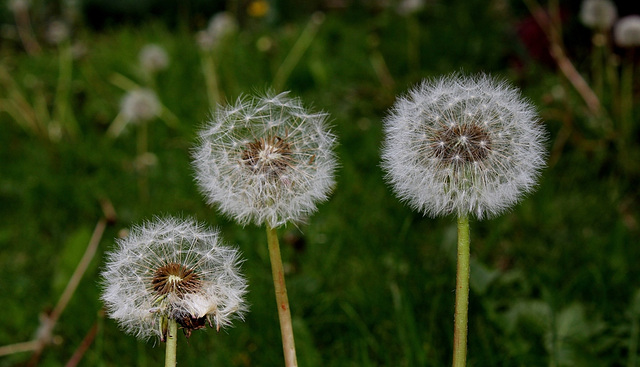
point(470, 146)
point(267, 160)
point(171, 273)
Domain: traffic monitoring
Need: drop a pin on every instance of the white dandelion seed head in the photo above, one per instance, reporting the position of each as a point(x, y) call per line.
point(626, 32)
point(408, 7)
point(205, 40)
point(220, 26)
point(265, 160)
point(172, 268)
point(462, 145)
point(598, 14)
point(140, 105)
point(57, 32)
point(18, 6)
point(153, 58)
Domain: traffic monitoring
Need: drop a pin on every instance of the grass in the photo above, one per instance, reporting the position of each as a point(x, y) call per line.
point(370, 282)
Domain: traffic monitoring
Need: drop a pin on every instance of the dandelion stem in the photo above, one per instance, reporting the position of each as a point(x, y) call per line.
point(172, 343)
point(462, 295)
point(296, 52)
point(626, 96)
point(413, 49)
point(598, 57)
point(143, 147)
point(284, 313)
point(62, 110)
point(25, 31)
point(211, 79)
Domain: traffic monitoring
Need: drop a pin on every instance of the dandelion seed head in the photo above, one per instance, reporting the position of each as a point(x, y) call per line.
point(221, 26)
point(462, 145)
point(140, 105)
point(408, 7)
point(265, 160)
point(598, 14)
point(18, 6)
point(57, 32)
point(172, 269)
point(153, 58)
point(626, 32)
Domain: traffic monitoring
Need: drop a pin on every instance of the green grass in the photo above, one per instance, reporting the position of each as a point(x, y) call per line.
point(371, 282)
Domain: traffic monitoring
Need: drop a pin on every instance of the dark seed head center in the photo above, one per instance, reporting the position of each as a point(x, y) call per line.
point(461, 144)
point(175, 278)
point(270, 155)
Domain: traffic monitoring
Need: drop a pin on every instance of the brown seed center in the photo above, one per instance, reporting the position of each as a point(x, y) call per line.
point(175, 278)
point(270, 155)
point(461, 144)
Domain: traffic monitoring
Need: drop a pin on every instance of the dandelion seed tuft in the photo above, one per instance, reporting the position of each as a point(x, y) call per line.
point(221, 26)
point(626, 32)
point(408, 7)
point(598, 14)
point(18, 6)
point(462, 145)
point(57, 32)
point(140, 105)
point(265, 160)
point(177, 269)
point(153, 58)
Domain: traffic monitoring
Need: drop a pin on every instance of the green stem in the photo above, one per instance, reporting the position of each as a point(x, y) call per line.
point(284, 313)
point(598, 55)
point(462, 295)
point(143, 132)
point(63, 112)
point(172, 343)
point(211, 79)
point(633, 342)
point(626, 96)
point(143, 147)
point(413, 51)
point(296, 52)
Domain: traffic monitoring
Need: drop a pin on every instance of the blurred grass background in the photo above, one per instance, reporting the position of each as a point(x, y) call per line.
point(371, 283)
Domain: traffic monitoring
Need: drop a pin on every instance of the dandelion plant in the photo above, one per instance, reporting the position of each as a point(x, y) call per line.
point(267, 160)
point(172, 273)
point(153, 58)
point(210, 40)
point(467, 146)
point(626, 34)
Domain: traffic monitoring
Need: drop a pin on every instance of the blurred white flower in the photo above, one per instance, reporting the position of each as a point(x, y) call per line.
point(18, 6)
point(205, 40)
point(140, 105)
point(57, 32)
point(598, 14)
point(79, 50)
point(408, 7)
point(220, 26)
point(177, 269)
point(153, 58)
point(266, 159)
point(462, 145)
point(626, 32)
